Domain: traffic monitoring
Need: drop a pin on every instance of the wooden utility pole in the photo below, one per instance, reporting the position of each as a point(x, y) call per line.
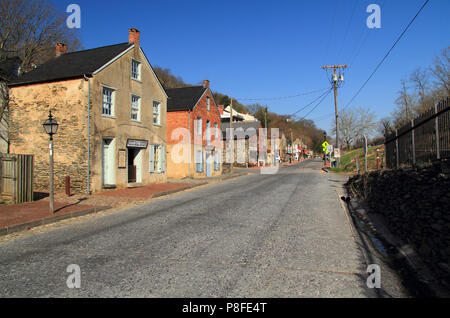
point(336, 80)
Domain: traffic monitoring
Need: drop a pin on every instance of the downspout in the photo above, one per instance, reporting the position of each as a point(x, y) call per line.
point(89, 136)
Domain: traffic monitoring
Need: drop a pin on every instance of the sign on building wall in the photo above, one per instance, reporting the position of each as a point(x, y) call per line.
point(135, 143)
point(122, 158)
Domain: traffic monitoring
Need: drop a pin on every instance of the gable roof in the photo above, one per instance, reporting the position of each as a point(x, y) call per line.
point(72, 65)
point(184, 98)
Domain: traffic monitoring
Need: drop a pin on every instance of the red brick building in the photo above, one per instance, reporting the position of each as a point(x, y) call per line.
point(194, 139)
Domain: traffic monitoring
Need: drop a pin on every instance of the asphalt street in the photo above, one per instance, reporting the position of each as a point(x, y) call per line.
point(280, 235)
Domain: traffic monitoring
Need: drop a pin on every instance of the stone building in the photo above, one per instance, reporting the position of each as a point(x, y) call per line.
point(117, 141)
point(193, 133)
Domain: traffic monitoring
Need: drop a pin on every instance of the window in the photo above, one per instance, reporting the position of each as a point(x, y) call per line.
point(157, 159)
point(108, 102)
point(135, 108)
point(135, 70)
point(156, 113)
point(199, 126)
point(199, 161)
point(208, 132)
point(208, 103)
point(216, 131)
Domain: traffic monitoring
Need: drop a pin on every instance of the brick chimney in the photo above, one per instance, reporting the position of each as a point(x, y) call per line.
point(61, 48)
point(220, 109)
point(205, 83)
point(133, 36)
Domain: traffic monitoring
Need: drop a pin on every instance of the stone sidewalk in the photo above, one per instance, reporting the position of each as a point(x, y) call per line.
point(20, 217)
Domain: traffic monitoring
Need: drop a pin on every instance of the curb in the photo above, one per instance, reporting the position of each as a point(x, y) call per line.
point(161, 194)
point(49, 220)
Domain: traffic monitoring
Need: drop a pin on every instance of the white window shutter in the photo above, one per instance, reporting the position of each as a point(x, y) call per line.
point(163, 159)
point(152, 158)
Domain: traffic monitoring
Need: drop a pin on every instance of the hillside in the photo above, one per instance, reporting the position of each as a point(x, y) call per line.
point(348, 164)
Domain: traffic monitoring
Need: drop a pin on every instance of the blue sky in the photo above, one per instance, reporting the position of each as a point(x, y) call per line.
point(265, 49)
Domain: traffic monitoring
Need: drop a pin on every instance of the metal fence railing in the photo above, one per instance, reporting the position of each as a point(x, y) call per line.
point(425, 139)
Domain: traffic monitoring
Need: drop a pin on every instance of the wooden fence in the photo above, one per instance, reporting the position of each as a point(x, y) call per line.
point(425, 139)
point(16, 177)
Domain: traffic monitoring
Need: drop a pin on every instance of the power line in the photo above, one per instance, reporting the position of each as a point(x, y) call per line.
point(387, 54)
point(306, 106)
point(347, 29)
point(282, 97)
point(320, 102)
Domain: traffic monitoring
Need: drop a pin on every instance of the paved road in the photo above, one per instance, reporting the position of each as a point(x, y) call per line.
point(282, 235)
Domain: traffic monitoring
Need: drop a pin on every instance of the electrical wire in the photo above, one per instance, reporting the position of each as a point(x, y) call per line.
point(386, 56)
point(306, 106)
point(347, 29)
point(320, 102)
point(283, 97)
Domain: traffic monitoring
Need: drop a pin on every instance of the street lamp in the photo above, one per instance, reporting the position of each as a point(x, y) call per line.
point(51, 127)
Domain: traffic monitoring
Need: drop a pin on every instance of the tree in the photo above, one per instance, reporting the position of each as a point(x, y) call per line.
point(30, 29)
point(366, 121)
point(167, 79)
point(441, 71)
point(404, 112)
point(354, 123)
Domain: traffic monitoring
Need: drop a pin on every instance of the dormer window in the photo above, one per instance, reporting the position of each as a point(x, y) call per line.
point(135, 70)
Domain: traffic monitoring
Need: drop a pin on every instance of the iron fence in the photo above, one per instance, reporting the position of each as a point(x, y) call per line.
point(425, 139)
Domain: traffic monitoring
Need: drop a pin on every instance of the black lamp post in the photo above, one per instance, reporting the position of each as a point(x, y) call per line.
point(51, 127)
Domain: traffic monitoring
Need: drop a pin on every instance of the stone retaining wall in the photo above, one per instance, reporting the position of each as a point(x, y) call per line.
point(416, 206)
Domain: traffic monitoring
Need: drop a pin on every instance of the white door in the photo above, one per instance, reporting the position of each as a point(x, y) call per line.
point(108, 162)
point(138, 164)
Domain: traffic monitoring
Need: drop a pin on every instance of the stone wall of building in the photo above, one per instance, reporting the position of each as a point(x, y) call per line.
point(415, 204)
point(29, 109)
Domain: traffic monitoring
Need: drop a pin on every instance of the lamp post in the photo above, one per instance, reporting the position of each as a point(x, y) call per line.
point(51, 127)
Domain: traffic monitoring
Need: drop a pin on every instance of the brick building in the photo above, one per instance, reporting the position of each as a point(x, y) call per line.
point(119, 141)
point(193, 133)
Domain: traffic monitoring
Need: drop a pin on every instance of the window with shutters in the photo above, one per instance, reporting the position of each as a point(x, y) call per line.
point(157, 159)
point(199, 161)
point(208, 132)
point(198, 122)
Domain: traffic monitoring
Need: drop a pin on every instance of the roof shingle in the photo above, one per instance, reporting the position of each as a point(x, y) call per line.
point(184, 98)
point(72, 65)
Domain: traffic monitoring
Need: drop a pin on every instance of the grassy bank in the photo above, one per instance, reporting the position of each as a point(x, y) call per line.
point(348, 164)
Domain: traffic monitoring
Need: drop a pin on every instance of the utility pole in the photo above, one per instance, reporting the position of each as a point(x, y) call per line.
point(336, 80)
point(232, 134)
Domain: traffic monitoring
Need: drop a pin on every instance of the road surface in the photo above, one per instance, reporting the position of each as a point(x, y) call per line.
point(281, 235)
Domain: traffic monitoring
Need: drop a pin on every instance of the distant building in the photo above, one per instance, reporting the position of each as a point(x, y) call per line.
point(111, 110)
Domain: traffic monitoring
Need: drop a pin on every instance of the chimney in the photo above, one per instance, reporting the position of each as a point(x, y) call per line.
point(220, 109)
point(133, 36)
point(205, 83)
point(61, 48)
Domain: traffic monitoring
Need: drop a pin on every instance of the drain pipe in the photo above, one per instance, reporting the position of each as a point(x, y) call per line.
point(89, 136)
